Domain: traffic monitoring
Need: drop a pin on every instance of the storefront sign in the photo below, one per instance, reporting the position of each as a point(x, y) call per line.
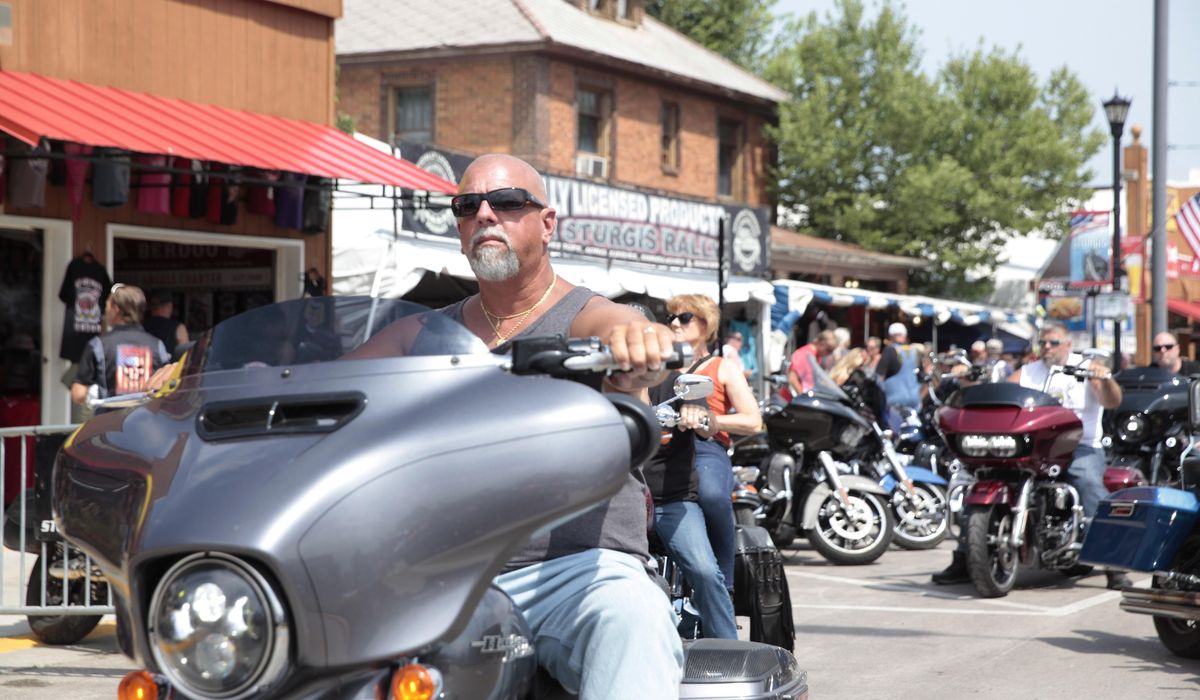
point(1091, 243)
point(622, 224)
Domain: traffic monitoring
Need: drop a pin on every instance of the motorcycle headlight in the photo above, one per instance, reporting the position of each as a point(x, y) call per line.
point(994, 445)
point(1003, 445)
point(217, 630)
point(974, 445)
point(1131, 428)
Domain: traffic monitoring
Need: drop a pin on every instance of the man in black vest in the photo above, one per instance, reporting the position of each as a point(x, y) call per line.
point(121, 360)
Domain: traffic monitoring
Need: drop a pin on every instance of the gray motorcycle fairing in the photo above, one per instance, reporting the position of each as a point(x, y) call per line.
point(137, 488)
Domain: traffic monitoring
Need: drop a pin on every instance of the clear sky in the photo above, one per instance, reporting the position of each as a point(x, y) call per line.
point(1106, 43)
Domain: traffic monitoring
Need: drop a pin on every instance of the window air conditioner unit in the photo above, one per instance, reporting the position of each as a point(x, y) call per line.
point(588, 165)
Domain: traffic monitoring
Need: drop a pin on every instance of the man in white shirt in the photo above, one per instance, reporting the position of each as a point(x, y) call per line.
point(1087, 399)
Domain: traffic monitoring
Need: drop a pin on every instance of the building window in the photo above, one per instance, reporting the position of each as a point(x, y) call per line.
point(413, 108)
point(729, 158)
point(623, 9)
point(670, 136)
point(593, 108)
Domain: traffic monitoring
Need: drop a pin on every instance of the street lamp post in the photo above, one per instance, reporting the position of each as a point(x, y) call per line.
point(1116, 109)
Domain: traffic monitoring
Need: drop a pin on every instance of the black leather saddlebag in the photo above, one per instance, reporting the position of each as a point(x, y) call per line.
point(760, 589)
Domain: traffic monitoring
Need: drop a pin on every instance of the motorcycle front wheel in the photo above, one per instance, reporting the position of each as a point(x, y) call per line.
point(857, 534)
point(991, 559)
point(61, 629)
point(921, 520)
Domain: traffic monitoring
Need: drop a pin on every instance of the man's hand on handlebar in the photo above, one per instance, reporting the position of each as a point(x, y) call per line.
point(640, 350)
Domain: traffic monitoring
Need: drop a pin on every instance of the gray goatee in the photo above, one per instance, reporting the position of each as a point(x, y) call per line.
point(492, 264)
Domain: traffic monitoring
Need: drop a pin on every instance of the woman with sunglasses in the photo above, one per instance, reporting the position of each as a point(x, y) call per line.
point(695, 320)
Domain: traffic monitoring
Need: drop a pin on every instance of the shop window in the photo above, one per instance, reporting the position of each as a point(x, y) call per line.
point(670, 137)
point(729, 159)
point(413, 110)
point(594, 110)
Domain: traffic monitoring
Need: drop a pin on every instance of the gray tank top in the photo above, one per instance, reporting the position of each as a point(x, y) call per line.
point(620, 523)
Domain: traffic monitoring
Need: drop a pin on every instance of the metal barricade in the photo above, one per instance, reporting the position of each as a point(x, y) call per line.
point(52, 567)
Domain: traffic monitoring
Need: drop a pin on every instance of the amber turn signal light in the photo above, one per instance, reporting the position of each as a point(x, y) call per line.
point(415, 682)
point(138, 685)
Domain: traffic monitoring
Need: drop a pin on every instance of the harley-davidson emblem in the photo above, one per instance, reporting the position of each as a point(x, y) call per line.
point(514, 646)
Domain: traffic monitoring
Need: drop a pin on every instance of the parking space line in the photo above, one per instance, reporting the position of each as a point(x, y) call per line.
point(8, 644)
point(1008, 607)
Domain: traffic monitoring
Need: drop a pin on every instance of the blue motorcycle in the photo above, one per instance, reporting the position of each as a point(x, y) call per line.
point(1156, 530)
point(917, 495)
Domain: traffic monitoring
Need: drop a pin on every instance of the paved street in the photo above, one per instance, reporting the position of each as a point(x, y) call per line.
point(879, 631)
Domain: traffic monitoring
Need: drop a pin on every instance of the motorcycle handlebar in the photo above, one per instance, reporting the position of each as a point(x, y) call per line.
point(573, 357)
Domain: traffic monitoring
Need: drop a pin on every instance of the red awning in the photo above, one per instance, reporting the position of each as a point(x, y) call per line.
point(1184, 308)
point(34, 106)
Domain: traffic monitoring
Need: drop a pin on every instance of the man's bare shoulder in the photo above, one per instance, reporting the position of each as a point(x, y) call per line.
point(600, 314)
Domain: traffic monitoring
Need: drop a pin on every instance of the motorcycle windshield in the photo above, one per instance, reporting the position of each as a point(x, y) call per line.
point(815, 379)
point(326, 329)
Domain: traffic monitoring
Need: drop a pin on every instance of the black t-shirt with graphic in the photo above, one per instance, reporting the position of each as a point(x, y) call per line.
point(84, 290)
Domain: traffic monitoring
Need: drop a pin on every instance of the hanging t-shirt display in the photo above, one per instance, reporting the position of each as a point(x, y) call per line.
point(260, 198)
point(77, 168)
point(84, 290)
point(154, 186)
point(317, 198)
point(110, 178)
point(27, 174)
point(289, 201)
point(223, 196)
point(181, 186)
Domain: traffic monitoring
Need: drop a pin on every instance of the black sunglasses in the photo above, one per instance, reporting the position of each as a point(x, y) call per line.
point(684, 318)
point(503, 199)
point(1162, 348)
point(1051, 343)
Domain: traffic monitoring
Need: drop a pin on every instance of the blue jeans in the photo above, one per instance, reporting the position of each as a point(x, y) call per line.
point(601, 626)
point(680, 525)
point(1086, 474)
point(716, 487)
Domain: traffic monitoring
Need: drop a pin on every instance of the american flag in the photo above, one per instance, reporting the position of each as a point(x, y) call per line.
point(1187, 219)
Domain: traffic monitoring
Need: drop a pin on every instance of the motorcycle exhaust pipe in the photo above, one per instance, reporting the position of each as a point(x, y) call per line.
point(1179, 605)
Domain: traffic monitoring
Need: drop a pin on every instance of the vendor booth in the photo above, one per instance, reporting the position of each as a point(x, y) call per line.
point(940, 322)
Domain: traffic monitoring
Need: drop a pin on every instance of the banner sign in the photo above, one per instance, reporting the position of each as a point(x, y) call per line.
point(1091, 243)
point(623, 224)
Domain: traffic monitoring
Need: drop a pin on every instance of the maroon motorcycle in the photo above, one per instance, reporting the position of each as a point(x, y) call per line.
point(1017, 443)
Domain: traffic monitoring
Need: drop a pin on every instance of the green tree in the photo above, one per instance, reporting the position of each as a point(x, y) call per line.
point(944, 168)
point(739, 30)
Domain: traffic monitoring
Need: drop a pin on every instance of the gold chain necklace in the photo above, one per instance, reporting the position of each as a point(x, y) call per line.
point(495, 320)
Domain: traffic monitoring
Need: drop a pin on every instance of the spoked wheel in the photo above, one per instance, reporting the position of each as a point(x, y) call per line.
point(991, 559)
point(1182, 637)
point(854, 534)
point(921, 521)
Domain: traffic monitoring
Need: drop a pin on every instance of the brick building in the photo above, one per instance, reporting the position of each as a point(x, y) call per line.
point(229, 94)
point(647, 139)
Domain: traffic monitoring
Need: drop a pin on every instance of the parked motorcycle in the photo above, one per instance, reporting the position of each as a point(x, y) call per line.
point(917, 495)
point(796, 478)
point(29, 529)
point(1018, 442)
point(1156, 529)
point(268, 528)
point(1148, 431)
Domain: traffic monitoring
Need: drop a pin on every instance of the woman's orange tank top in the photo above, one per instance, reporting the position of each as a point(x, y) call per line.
point(718, 401)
